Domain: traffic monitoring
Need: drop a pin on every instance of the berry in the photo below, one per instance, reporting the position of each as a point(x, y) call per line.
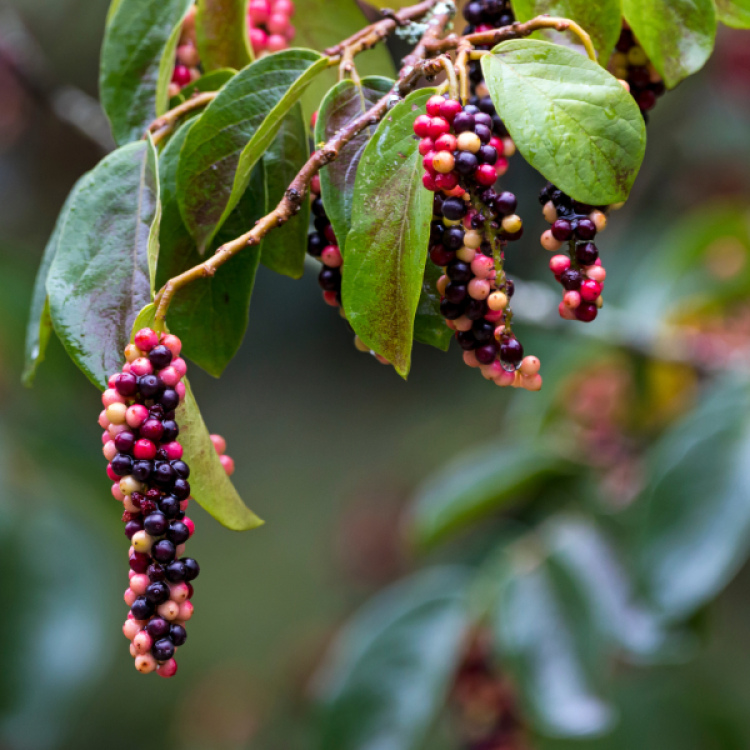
point(163, 649)
point(587, 254)
point(157, 592)
point(178, 634)
point(192, 569)
point(511, 351)
point(562, 230)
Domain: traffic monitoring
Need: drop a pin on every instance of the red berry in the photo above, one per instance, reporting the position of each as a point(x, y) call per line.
point(438, 126)
point(258, 40)
point(426, 145)
point(446, 181)
point(144, 449)
point(276, 43)
point(446, 142)
point(441, 256)
point(427, 163)
point(586, 312)
point(434, 105)
point(590, 290)
point(429, 182)
point(180, 76)
point(450, 108)
point(329, 235)
point(485, 174)
point(498, 144)
point(422, 126)
point(559, 263)
point(146, 339)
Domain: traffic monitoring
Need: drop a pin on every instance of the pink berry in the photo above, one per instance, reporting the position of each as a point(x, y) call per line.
point(139, 583)
point(112, 380)
point(284, 6)
point(190, 524)
point(145, 663)
point(103, 421)
point(493, 316)
point(143, 642)
point(482, 266)
point(168, 669)
point(565, 312)
point(471, 359)
point(144, 450)
point(146, 339)
point(172, 343)
point(130, 629)
point(228, 464)
point(180, 76)
point(330, 235)
point(315, 182)
point(186, 611)
point(590, 290)
point(479, 289)
point(220, 445)
point(559, 263)
point(174, 450)
point(258, 40)
point(112, 476)
point(115, 429)
point(188, 56)
point(109, 450)
point(278, 23)
point(117, 493)
point(178, 592)
point(180, 365)
point(597, 273)
point(501, 166)
point(331, 256)
point(450, 108)
point(129, 597)
point(170, 376)
point(181, 390)
point(485, 174)
point(277, 42)
point(136, 415)
point(106, 437)
point(141, 366)
point(505, 378)
point(422, 126)
point(259, 11)
point(571, 300)
point(111, 396)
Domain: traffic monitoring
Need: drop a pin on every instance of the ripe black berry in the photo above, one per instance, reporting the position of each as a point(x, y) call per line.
point(455, 292)
point(175, 571)
point(587, 254)
point(181, 469)
point(178, 634)
point(169, 506)
point(122, 465)
point(571, 279)
point(142, 608)
point(192, 569)
point(163, 649)
point(585, 229)
point(142, 470)
point(157, 592)
point(181, 488)
point(160, 357)
point(170, 399)
point(164, 475)
point(163, 551)
point(329, 279)
point(463, 121)
point(460, 272)
point(453, 238)
point(454, 209)
point(158, 628)
point(156, 524)
point(178, 532)
point(466, 340)
point(149, 385)
point(511, 351)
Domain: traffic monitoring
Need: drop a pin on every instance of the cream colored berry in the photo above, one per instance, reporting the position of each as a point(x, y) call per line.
point(469, 142)
point(509, 147)
point(116, 413)
point(530, 366)
point(497, 301)
point(549, 242)
point(600, 220)
point(129, 485)
point(145, 663)
point(142, 542)
point(472, 238)
point(512, 224)
point(466, 254)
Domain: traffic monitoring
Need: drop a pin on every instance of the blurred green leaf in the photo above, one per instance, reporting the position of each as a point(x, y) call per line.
point(479, 483)
point(212, 81)
point(39, 327)
point(389, 671)
point(221, 33)
point(677, 35)
point(232, 134)
point(429, 324)
point(735, 13)
point(556, 102)
point(602, 21)
point(695, 532)
point(103, 272)
point(209, 484)
point(284, 249)
point(343, 103)
point(537, 644)
point(387, 246)
point(137, 61)
point(210, 315)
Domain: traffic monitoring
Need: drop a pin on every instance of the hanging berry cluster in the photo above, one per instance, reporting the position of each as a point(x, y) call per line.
point(470, 231)
point(269, 29)
point(151, 481)
point(580, 273)
point(269, 25)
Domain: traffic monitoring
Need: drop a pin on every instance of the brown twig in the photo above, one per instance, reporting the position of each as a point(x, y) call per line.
point(162, 126)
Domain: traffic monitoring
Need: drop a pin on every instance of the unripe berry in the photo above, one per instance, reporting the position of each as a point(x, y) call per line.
point(434, 105)
point(531, 383)
point(482, 266)
point(470, 358)
point(131, 629)
point(146, 339)
point(116, 413)
point(443, 162)
point(132, 352)
point(469, 142)
point(530, 366)
point(259, 11)
point(512, 224)
point(109, 450)
point(558, 264)
point(169, 610)
point(228, 464)
point(572, 300)
point(141, 366)
point(186, 611)
point(466, 254)
point(145, 663)
point(597, 273)
point(276, 43)
point(278, 23)
point(284, 6)
point(506, 379)
point(136, 415)
point(168, 669)
point(130, 596)
point(550, 212)
point(497, 301)
point(599, 219)
point(549, 242)
point(142, 542)
point(143, 642)
point(258, 40)
point(169, 376)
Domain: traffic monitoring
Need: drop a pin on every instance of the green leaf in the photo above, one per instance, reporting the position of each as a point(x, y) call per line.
point(387, 246)
point(601, 20)
point(232, 135)
point(390, 669)
point(570, 118)
point(209, 315)
point(137, 62)
point(480, 483)
point(695, 534)
point(284, 248)
point(221, 32)
point(212, 81)
point(102, 274)
point(39, 327)
point(734, 13)
point(677, 35)
point(429, 324)
point(146, 318)
point(538, 645)
point(343, 103)
point(209, 484)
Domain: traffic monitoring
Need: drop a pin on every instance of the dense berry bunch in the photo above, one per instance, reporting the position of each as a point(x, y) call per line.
point(187, 58)
point(629, 63)
point(151, 481)
point(269, 25)
point(580, 272)
point(471, 228)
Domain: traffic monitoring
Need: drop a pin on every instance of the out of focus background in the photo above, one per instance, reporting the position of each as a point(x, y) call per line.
point(331, 447)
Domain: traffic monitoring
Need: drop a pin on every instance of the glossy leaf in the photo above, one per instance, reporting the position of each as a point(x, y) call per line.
point(209, 315)
point(221, 33)
point(677, 35)
point(234, 131)
point(343, 103)
point(387, 246)
point(734, 13)
point(538, 646)
point(39, 327)
point(601, 20)
point(389, 671)
point(569, 117)
point(103, 271)
point(212, 81)
point(696, 525)
point(284, 248)
point(580, 552)
point(209, 484)
point(137, 62)
point(478, 484)
point(429, 324)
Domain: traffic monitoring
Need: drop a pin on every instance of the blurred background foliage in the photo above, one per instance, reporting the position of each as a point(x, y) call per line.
point(598, 532)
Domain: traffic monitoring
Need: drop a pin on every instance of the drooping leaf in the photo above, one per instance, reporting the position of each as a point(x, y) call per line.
point(146, 318)
point(221, 33)
point(323, 23)
point(210, 315)
point(284, 248)
point(696, 525)
point(569, 117)
point(677, 35)
point(734, 13)
point(580, 552)
point(343, 103)
point(429, 324)
point(475, 485)
point(212, 81)
point(387, 246)
point(137, 62)
point(602, 21)
point(103, 272)
point(389, 671)
point(234, 131)
point(539, 647)
point(209, 483)
point(39, 327)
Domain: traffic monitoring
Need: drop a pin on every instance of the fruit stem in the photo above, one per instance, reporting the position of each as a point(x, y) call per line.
point(450, 71)
point(163, 126)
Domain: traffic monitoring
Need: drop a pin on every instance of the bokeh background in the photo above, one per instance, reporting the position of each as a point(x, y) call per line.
point(329, 447)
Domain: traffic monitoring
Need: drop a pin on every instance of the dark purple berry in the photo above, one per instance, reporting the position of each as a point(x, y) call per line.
point(142, 470)
point(156, 572)
point(453, 238)
point(511, 351)
point(450, 310)
point(149, 385)
point(482, 118)
point(476, 309)
point(178, 634)
point(486, 354)
point(122, 465)
point(315, 244)
point(163, 650)
point(157, 592)
point(483, 132)
point(466, 163)
point(466, 340)
point(454, 209)
point(169, 506)
point(571, 279)
point(131, 527)
point(484, 331)
point(318, 208)
point(585, 229)
point(158, 627)
point(163, 551)
point(487, 155)
point(171, 431)
point(164, 475)
point(181, 468)
point(127, 384)
point(463, 122)
point(156, 524)
point(139, 562)
point(474, 13)
point(125, 441)
point(181, 488)
point(176, 571)
point(192, 569)
point(142, 608)
point(587, 254)
point(178, 532)
point(459, 272)
point(160, 357)
point(329, 279)
point(170, 399)
point(562, 230)
point(506, 203)
point(455, 292)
